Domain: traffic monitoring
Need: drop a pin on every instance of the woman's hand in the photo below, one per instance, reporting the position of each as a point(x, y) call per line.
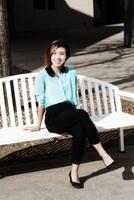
point(41, 111)
point(31, 128)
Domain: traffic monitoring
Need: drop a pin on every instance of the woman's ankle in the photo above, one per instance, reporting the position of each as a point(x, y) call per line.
point(74, 172)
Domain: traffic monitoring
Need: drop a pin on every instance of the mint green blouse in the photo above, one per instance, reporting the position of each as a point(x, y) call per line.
point(51, 90)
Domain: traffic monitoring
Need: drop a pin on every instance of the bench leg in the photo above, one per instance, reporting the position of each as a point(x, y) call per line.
point(121, 136)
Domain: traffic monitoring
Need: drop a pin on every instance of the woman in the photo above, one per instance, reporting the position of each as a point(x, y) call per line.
point(56, 92)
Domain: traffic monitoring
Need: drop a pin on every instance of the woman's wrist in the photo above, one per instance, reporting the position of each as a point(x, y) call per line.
point(37, 127)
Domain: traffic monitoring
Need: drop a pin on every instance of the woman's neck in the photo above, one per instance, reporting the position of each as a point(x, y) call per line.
point(57, 70)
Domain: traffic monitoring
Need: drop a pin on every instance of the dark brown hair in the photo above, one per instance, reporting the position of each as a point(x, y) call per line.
point(52, 47)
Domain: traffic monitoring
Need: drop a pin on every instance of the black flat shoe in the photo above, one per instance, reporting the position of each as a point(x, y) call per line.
point(75, 184)
point(110, 166)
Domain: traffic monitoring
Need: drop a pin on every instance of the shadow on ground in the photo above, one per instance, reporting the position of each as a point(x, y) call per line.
point(20, 165)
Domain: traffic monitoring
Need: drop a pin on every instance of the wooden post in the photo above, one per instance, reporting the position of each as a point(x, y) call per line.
point(129, 23)
point(5, 57)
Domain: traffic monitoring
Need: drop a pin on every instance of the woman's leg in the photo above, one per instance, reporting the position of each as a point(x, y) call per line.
point(92, 135)
point(69, 120)
point(75, 173)
point(81, 127)
point(78, 145)
point(104, 155)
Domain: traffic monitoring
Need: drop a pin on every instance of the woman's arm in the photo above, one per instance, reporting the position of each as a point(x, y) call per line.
point(41, 110)
point(40, 114)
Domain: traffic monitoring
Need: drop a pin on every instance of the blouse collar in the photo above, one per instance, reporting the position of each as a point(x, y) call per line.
point(51, 72)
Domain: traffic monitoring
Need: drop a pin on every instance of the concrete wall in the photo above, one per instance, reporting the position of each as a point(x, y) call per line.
point(67, 14)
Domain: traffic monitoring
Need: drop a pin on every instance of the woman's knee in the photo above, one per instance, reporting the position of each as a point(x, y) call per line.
point(84, 114)
point(86, 119)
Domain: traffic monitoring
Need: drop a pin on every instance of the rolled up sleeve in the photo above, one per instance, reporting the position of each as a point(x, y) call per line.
point(39, 89)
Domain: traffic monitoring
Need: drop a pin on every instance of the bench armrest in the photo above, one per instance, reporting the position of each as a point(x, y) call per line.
point(126, 95)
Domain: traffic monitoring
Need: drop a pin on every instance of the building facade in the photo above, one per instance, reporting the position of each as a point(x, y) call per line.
point(42, 15)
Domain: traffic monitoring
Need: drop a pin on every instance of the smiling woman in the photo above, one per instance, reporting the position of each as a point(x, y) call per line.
point(53, 47)
point(58, 59)
point(57, 94)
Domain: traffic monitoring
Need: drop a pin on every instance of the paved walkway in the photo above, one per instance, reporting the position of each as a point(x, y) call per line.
point(98, 53)
point(48, 179)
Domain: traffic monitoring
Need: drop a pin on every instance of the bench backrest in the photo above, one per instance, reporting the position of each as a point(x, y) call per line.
point(98, 98)
point(18, 104)
point(17, 100)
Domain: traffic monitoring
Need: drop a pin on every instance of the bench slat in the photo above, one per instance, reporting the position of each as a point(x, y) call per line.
point(97, 93)
point(18, 104)
point(33, 102)
point(3, 106)
point(10, 104)
point(118, 101)
point(111, 98)
point(83, 90)
point(105, 102)
point(25, 101)
point(91, 101)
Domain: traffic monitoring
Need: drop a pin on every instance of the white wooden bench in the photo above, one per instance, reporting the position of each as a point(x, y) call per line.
point(18, 108)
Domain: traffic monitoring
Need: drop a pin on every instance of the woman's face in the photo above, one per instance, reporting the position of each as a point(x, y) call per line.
point(58, 57)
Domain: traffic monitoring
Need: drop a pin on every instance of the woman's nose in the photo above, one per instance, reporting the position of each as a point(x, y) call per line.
point(57, 55)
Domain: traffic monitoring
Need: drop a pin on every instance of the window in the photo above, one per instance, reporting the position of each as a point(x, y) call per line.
point(50, 4)
point(39, 4)
point(44, 4)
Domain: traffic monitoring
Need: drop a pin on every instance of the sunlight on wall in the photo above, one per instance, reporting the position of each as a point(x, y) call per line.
point(82, 6)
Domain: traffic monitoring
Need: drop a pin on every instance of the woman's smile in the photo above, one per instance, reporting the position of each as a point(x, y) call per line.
point(58, 57)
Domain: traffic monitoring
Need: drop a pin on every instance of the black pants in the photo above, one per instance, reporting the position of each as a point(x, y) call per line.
point(64, 117)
